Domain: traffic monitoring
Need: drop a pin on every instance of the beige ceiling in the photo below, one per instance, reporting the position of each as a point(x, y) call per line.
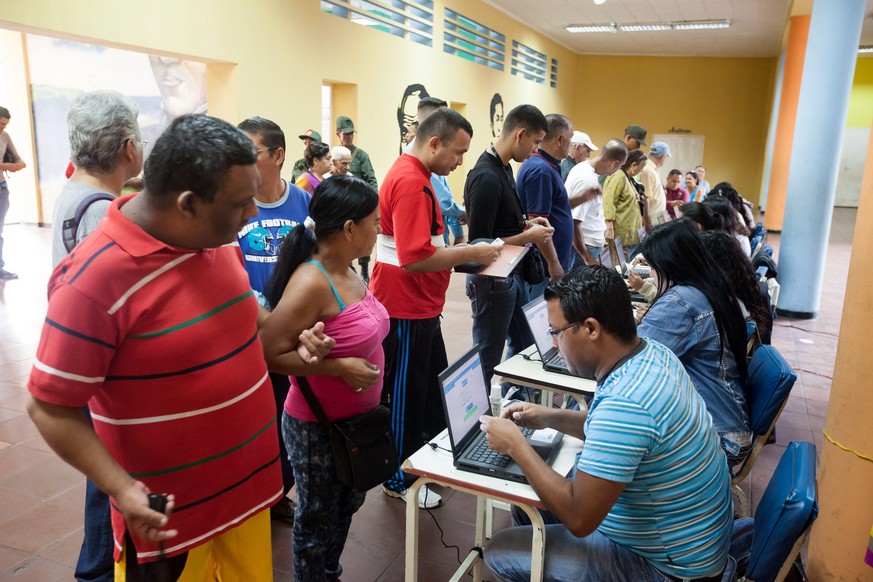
point(756, 31)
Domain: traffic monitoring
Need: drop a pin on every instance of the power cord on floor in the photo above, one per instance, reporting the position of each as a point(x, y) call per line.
point(448, 546)
point(827, 333)
point(442, 536)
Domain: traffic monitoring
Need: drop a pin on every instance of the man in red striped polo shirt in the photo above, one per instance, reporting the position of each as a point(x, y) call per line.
point(152, 323)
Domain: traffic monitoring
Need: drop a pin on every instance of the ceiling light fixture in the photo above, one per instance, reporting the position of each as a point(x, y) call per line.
point(599, 2)
point(650, 26)
point(701, 24)
point(644, 27)
point(574, 28)
point(865, 49)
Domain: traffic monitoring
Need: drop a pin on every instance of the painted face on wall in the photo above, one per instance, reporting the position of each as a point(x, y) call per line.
point(497, 120)
point(182, 84)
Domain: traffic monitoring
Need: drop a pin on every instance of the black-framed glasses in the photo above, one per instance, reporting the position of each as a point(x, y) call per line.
point(556, 332)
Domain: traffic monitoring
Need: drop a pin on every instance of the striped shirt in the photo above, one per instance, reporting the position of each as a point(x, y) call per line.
point(161, 343)
point(649, 428)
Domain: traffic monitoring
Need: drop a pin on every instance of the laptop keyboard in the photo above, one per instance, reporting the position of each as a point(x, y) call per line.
point(482, 453)
point(558, 360)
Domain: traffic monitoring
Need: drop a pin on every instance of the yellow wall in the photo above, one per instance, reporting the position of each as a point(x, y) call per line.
point(861, 101)
point(272, 56)
point(729, 104)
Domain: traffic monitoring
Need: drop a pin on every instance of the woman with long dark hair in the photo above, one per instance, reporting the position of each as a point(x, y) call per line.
point(312, 282)
point(697, 316)
point(731, 221)
point(745, 285)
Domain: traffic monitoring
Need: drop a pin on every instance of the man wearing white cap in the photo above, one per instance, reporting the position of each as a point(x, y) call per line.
point(655, 193)
point(581, 147)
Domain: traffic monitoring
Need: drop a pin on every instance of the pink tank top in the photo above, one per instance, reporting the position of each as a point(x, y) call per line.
point(358, 330)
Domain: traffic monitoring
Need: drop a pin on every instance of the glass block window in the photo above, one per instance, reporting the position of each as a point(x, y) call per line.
point(409, 19)
point(529, 63)
point(473, 41)
point(553, 80)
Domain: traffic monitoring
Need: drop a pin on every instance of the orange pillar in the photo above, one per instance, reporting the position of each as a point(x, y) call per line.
point(839, 536)
point(795, 53)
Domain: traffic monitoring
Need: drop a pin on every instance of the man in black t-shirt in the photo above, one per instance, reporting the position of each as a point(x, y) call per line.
point(494, 210)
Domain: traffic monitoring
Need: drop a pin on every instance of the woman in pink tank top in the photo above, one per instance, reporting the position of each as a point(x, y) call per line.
point(312, 282)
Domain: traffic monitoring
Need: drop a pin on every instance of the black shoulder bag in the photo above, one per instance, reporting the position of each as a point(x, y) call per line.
point(362, 445)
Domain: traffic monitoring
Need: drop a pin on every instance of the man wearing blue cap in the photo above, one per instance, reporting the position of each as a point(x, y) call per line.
point(655, 193)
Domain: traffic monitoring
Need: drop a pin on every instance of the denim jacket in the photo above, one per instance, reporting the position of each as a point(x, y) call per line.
point(683, 320)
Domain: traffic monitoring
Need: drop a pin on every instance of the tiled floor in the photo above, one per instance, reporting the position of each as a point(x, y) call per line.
point(41, 497)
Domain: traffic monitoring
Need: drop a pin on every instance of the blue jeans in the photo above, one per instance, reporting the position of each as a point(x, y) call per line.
point(497, 317)
point(4, 208)
point(96, 561)
point(592, 250)
point(324, 506)
point(594, 557)
point(281, 384)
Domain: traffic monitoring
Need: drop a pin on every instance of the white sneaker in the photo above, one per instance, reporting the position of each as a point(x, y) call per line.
point(427, 499)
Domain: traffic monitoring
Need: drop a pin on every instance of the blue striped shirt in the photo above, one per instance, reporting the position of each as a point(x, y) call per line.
point(649, 428)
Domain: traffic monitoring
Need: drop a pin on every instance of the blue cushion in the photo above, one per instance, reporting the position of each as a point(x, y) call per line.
point(787, 508)
point(770, 380)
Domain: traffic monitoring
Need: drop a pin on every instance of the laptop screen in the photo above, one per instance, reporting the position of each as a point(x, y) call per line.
point(465, 395)
point(619, 250)
point(537, 315)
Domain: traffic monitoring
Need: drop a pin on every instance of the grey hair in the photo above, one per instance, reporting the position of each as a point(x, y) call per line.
point(338, 151)
point(99, 123)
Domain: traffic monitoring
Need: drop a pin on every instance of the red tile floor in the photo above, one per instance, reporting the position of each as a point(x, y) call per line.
point(41, 497)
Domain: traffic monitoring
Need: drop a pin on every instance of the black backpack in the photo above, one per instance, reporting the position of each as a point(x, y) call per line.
point(70, 230)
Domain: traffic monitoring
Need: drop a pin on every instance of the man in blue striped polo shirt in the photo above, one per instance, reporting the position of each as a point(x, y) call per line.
point(650, 498)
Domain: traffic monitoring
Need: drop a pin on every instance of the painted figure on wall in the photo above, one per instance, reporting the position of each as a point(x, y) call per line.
point(496, 117)
point(407, 109)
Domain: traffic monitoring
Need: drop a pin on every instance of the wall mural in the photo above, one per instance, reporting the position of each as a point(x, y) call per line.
point(408, 108)
point(163, 88)
point(496, 117)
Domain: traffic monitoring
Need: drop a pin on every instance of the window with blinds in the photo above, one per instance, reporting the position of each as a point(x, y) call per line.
point(409, 19)
point(530, 64)
point(473, 41)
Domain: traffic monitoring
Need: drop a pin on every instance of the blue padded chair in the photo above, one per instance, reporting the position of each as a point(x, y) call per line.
point(769, 383)
point(783, 517)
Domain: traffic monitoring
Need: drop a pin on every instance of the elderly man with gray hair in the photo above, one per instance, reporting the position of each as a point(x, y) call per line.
point(107, 150)
point(340, 160)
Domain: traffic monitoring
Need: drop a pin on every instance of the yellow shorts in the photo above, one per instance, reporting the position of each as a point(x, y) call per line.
point(242, 553)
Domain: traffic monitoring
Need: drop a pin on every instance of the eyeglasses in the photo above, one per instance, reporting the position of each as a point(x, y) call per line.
point(556, 332)
point(142, 142)
point(271, 148)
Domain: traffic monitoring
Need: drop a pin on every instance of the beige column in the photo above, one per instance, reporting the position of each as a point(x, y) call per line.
point(840, 535)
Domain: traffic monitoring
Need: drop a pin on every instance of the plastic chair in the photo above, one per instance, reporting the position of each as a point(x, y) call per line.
point(769, 383)
point(784, 515)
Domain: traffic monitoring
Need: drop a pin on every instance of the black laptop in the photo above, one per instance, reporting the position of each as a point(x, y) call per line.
point(537, 317)
point(465, 399)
